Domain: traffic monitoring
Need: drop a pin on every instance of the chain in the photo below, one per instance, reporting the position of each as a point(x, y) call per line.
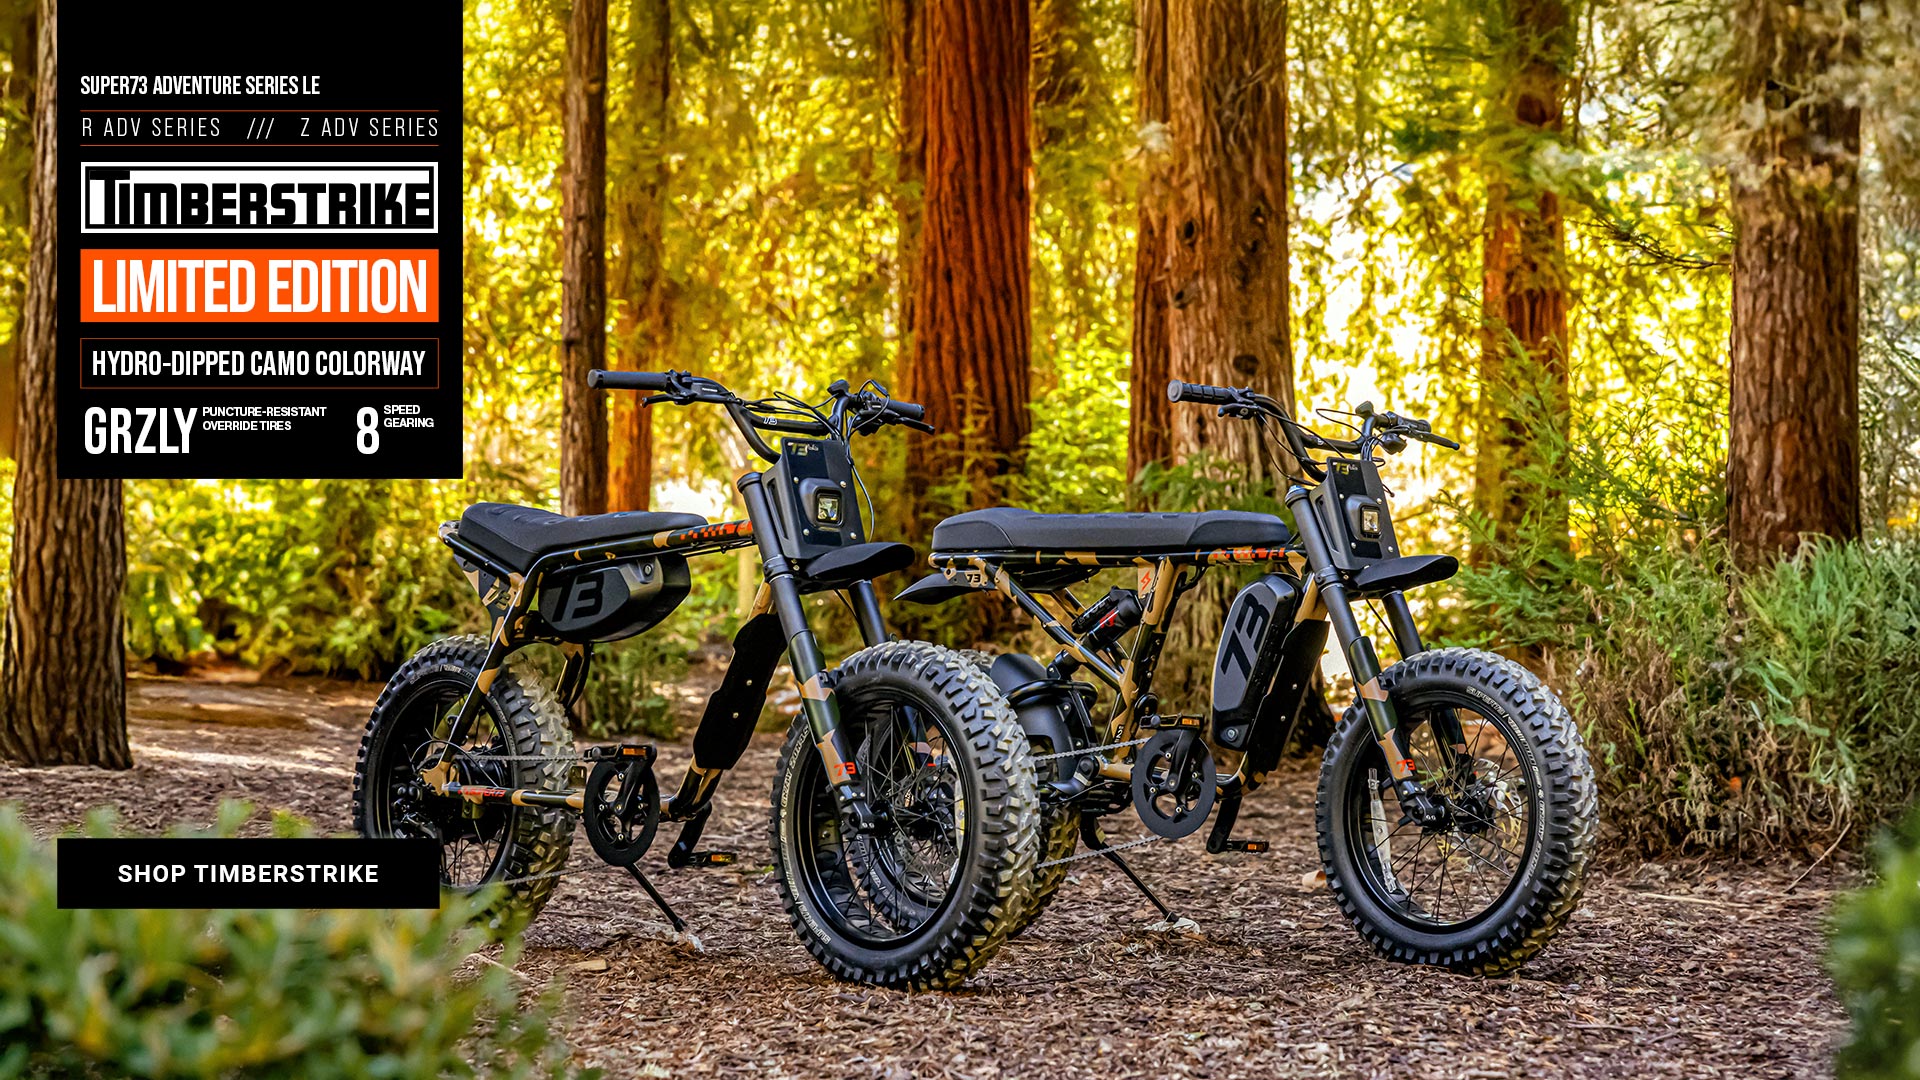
point(1096, 852)
point(549, 874)
point(1077, 857)
point(1091, 750)
point(487, 756)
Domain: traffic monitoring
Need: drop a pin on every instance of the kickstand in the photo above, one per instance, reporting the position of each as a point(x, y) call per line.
point(679, 924)
point(1090, 835)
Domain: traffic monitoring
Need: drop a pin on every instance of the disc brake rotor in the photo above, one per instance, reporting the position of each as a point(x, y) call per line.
point(1174, 783)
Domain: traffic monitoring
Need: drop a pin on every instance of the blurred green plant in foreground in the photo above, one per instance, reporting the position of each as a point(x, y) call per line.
point(298, 994)
point(1875, 959)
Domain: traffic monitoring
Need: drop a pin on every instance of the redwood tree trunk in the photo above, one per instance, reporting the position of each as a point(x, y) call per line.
point(1226, 226)
point(16, 159)
point(1523, 352)
point(972, 333)
point(1793, 456)
point(1225, 268)
point(906, 28)
point(644, 325)
point(583, 271)
point(63, 685)
point(1148, 414)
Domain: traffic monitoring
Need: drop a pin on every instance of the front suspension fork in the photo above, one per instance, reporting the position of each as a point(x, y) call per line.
point(809, 666)
point(1363, 663)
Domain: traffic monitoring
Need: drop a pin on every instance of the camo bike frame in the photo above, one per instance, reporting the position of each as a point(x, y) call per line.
point(1342, 551)
point(794, 560)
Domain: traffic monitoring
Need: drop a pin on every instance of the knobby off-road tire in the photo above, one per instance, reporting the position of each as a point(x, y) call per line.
point(992, 777)
point(522, 718)
point(1559, 795)
point(1059, 835)
point(1059, 831)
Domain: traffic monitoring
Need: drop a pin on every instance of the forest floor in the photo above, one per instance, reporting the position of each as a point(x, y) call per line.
point(1699, 969)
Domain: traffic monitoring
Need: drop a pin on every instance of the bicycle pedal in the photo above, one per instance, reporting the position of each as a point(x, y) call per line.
point(700, 860)
point(620, 752)
point(1250, 847)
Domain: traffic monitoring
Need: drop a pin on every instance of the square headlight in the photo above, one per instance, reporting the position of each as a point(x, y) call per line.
point(826, 508)
point(1370, 522)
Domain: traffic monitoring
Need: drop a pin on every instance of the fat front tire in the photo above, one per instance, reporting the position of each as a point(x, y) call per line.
point(1485, 892)
point(929, 897)
point(520, 717)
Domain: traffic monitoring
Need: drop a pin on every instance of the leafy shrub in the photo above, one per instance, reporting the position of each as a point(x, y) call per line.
point(1875, 959)
point(1723, 705)
point(296, 575)
point(157, 993)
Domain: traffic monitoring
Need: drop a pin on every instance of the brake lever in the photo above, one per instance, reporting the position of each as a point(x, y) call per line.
point(1437, 440)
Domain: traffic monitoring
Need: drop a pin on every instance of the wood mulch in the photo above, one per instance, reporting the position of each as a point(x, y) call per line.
point(1684, 970)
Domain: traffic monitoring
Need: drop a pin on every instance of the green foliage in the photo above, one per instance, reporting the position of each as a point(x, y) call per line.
point(1077, 455)
point(1875, 960)
point(1770, 704)
point(295, 575)
point(623, 695)
point(156, 993)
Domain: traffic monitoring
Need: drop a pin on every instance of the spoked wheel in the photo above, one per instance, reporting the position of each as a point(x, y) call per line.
point(479, 844)
point(908, 868)
point(931, 892)
point(1484, 887)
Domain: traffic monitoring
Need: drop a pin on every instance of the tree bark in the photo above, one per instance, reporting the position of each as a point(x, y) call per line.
point(906, 29)
point(972, 332)
point(1793, 458)
point(1149, 414)
point(63, 684)
point(1227, 219)
point(643, 326)
point(1225, 266)
point(16, 190)
point(583, 271)
point(1523, 349)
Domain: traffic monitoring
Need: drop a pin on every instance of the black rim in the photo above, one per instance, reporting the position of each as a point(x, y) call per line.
point(885, 888)
point(473, 839)
point(1452, 875)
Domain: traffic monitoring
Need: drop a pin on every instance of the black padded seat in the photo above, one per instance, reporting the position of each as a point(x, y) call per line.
point(1004, 528)
point(517, 535)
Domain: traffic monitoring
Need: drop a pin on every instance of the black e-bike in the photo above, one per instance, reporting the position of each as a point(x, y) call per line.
point(1456, 805)
point(904, 822)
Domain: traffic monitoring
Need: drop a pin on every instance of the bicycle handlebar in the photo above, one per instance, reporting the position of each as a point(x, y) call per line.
point(905, 410)
point(870, 411)
point(1200, 393)
point(1245, 403)
point(654, 381)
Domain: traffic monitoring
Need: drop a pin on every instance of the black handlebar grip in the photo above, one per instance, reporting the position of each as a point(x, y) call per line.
point(907, 410)
point(656, 381)
point(1199, 393)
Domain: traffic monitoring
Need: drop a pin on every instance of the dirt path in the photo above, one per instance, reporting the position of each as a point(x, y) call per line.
point(1694, 971)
